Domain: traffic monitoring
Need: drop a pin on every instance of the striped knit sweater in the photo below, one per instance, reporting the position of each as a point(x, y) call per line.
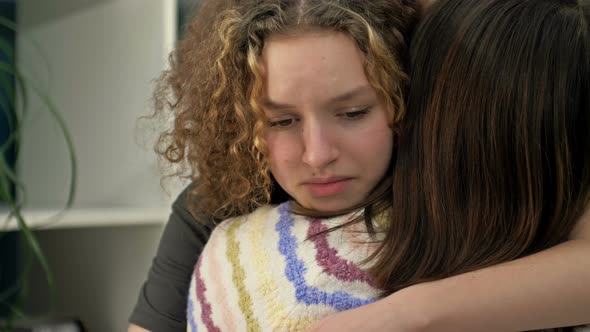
point(259, 273)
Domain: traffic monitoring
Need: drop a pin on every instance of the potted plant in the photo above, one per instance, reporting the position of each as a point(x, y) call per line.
point(15, 233)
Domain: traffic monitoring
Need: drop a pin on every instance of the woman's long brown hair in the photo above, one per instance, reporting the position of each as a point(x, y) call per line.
point(494, 161)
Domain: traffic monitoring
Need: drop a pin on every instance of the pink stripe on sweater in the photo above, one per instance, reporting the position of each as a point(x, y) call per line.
point(329, 260)
point(221, 292)
point(205, 306)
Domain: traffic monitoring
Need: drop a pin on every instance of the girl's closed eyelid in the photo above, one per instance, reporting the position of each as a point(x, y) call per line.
point(351, 115)
point(355, 114)
point(281, 123)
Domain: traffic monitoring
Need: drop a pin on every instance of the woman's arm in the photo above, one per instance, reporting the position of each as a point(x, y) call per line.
point(548, 289)
point(161, 305)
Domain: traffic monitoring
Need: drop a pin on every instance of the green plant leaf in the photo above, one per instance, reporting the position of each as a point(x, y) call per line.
point(7, 49)
point(24, 88)
point(7, 23)
point(7, 103)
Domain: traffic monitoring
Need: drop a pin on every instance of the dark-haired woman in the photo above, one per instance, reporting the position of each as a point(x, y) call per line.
point(492, 176)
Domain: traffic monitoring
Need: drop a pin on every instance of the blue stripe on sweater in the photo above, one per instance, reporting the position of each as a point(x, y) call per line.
point(191, 318)
point(295, 270)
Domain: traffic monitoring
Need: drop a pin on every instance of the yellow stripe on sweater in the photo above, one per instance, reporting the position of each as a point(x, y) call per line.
point(267, 286)
point(238, 276)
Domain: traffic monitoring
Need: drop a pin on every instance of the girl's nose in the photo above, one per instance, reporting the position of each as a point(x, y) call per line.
point(319, 146)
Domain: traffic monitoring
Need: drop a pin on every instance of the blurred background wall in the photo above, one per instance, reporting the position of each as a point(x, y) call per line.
point(97, 61)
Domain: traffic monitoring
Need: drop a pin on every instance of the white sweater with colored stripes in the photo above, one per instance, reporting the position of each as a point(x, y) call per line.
point(259, 272)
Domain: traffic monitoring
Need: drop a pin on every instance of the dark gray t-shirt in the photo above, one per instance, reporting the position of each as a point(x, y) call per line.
point(161, 305)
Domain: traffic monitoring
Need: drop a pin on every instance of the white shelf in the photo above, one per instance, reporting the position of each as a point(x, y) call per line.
point(83, 218)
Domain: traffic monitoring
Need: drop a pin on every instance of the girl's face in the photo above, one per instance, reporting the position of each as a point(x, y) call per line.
point(327, 132)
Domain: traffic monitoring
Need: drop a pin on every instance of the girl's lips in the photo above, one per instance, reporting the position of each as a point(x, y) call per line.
point(329, 188)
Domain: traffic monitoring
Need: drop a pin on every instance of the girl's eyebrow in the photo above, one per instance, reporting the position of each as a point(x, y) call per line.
point(275, 106)
point(354, 93)
point(362, 90)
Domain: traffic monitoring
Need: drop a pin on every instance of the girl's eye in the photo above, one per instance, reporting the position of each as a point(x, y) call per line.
point(281, 123)
point(355, 115)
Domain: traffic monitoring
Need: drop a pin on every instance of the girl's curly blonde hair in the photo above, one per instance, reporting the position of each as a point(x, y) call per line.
point(215, 81)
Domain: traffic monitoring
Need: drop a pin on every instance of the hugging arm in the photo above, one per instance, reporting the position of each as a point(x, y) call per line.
point(548, 289)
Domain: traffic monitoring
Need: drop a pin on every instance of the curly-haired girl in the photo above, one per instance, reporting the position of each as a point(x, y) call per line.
point(300, 103)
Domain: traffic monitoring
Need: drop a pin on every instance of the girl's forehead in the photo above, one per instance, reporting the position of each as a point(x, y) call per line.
point(323, 46)
point(315, 63)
